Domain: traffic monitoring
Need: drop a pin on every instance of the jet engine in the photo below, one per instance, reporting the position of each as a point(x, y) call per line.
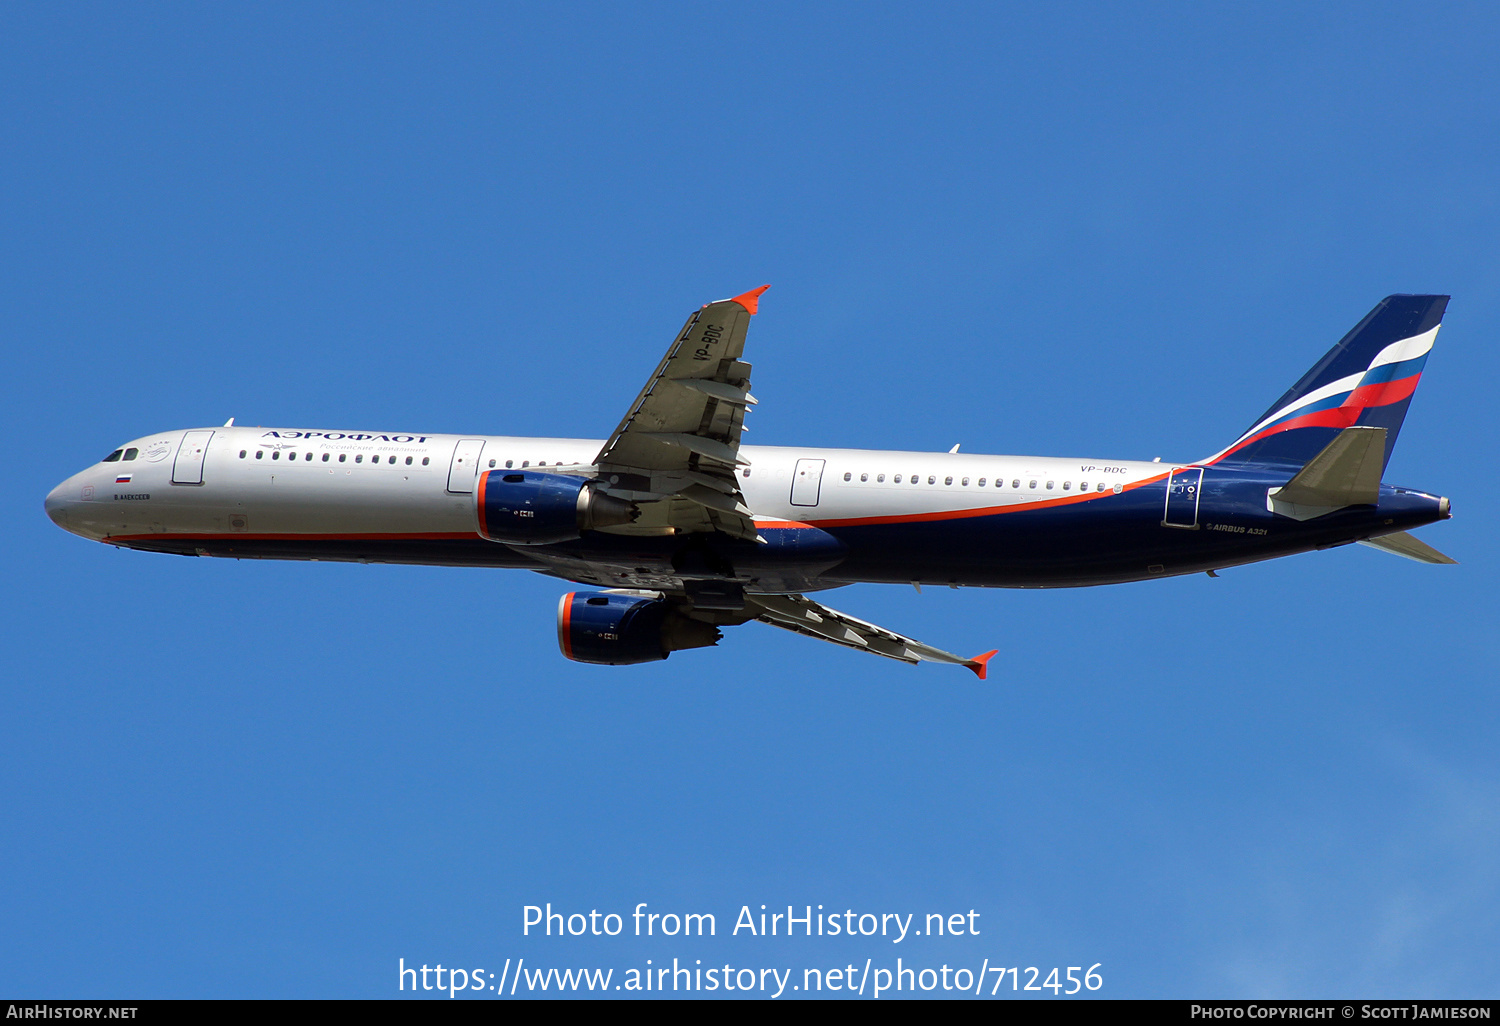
point(523, 507)
point(618, 629)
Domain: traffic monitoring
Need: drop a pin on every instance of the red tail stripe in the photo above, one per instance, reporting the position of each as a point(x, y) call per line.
point(1383, 393)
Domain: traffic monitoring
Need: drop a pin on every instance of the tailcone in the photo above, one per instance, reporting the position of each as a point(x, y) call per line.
point(1407, 508)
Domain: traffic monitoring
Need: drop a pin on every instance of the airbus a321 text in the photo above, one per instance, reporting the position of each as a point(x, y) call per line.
point(681, 530)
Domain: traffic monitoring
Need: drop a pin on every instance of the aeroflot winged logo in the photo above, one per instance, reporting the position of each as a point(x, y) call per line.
point(342, 436)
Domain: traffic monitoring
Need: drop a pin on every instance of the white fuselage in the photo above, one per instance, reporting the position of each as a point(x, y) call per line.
point(286, 482)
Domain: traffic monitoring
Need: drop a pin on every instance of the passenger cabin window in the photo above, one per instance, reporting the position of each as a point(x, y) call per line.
point(242, 454)
point(343, 456)
point(981, 482)
point(360, 458)
point(847, 476)
point(307, 458)
point(492, 463)
point(965, 482)
point(426, 458)
point(259, 453)
point(864, 477)
point(1049, 486)
point(1033, 484)
point(113, 457)
point(896, 479)
point(276, 455)
point(1017, 483)
point(947, 480)
point(933, 480)
point(1067, 486)
point(880, 479)
point(325, 457)
point(408, 461)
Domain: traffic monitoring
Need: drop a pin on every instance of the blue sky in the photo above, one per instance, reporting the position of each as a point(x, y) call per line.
point(1066, 229)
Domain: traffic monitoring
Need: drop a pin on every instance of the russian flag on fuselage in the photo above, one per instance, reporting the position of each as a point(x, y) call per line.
point(1367, 380)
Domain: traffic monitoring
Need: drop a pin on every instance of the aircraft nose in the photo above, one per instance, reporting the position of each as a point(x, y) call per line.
point(57, 506)
point(61, 500)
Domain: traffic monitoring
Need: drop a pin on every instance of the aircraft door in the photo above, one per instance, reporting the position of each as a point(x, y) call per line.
point(807, 481)
point(1184, 490)
point(465, 463)
point(187, 468)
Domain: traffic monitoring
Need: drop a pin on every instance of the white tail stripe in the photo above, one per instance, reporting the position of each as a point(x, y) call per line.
point(1407, 348)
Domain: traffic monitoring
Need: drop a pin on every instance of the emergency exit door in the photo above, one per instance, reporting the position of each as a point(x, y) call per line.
point(807, 481)
point(465, 463)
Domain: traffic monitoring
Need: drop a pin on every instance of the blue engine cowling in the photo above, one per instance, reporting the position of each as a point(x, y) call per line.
point(524, 507)
point(617, 630)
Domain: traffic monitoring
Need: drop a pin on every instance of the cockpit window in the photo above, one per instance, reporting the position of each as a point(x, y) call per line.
point(112, 457)
point(131, 454)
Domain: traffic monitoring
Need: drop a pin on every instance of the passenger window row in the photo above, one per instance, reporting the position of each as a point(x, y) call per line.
point(1015, 483)
point(307, 457)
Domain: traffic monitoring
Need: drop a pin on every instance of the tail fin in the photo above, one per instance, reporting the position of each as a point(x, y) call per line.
point(1366, 380)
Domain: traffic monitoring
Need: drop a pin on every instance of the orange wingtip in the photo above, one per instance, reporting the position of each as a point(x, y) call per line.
point(980, 664)
point(750, 300)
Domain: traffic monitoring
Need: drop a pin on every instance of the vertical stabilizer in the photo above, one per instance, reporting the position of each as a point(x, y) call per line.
point(1367, 380)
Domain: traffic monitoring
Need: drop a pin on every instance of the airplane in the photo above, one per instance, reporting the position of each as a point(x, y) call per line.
point(680, 529)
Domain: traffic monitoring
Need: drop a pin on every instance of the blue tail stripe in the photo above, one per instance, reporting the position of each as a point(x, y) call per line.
point(1394, 371)
point(1302, 411)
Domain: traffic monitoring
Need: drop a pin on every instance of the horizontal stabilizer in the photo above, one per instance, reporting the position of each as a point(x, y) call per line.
point(1345, 473)
point(1403, 544)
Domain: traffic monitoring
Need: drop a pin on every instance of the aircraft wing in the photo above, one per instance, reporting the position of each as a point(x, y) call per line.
point(803, 615)
point(677, 451)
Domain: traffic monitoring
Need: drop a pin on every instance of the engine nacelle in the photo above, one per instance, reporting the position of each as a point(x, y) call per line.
point(617, 630)
point(525, 507)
